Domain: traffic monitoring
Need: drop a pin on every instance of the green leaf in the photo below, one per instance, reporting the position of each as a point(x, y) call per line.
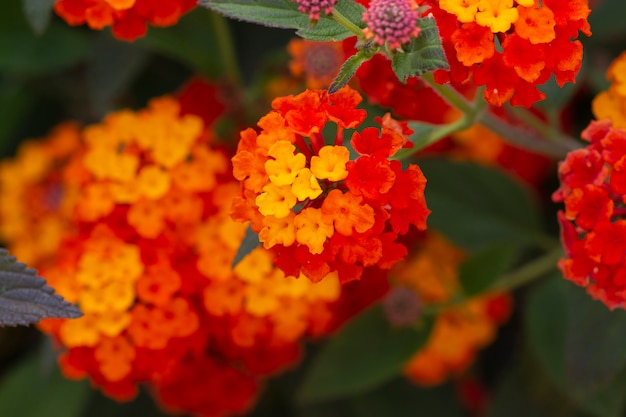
point(32, 390)
point(484, 267)
point(477, 206)
point(25, 298)
point(329, 30)
point(347, 71)
point(425, 53)
point(249, 243)
point(607, 21)
point(401, 398)
point(114, 65)
point(38, 13)
point(285, 14)
point(15, 101)
point(193, 41)
point(579, 342)
point(511, 398)
point(367, 353)
point(23, 53)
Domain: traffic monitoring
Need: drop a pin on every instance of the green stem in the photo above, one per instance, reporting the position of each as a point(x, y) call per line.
point(524, 138)
point(529, 272)
point(226, 48)
point(449, 94)
point(343, 21)
point(532, 271)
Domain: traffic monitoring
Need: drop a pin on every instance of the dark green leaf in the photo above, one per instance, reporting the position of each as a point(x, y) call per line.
point(477, 206)
point(24, 53)
point(425, 53)
point(607, 20)
point(38, 14)
point(400, 398)
point(367, 353)
point(512, 399)
point(484, 267)
point(329, 30)
point(15, 101)
point(112, 68)
point(285, 14)
point(193, 41)
point(348, 69)
point(25, 298)
point(31, 390)
point(579, 342)
point(249, 243)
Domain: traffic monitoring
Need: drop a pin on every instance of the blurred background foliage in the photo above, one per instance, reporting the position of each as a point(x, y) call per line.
point(561, 354)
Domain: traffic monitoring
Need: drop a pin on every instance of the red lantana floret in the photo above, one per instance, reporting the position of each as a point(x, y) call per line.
point(593, 224)
point(321, 206)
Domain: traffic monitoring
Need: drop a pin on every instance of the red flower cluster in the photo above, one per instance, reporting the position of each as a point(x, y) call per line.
point(128, 18)
point(314, 204)
point(511, 47)
point(593, 225)
point(145, 245)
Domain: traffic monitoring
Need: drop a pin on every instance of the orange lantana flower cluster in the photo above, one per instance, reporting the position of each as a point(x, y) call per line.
point(319, 205)
point(459, 332)
point(128, 18)
point(611, 104)
point(511, 46)
point(33, 213)
point(145, 251)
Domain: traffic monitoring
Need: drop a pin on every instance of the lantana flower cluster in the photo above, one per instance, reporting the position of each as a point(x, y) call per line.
point(593, 226)
point(147, 255)
point(611, 104)
point(128, 18)
point(511, 46)
point(33, 214)
point(431, 273)
point(319, 205)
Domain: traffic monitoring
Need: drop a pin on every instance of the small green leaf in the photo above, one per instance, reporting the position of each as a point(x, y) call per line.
point(347, 71)
point(477, 206)
point(285, 14)
point(25, 298)
point(484, 267)
point(579, 342)
point(425, 53)
point(367, 353)
point(38, 14)
point(249, 243)
point(31, 390)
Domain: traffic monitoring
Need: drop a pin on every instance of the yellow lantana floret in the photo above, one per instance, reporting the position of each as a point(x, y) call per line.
point(282, 170)
point(331, 163)
point(312, 229)
point(278, 231)
point(306, 186)
point(276, 200)
point(464, 10)
point(497, 15)
point(153, 182)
